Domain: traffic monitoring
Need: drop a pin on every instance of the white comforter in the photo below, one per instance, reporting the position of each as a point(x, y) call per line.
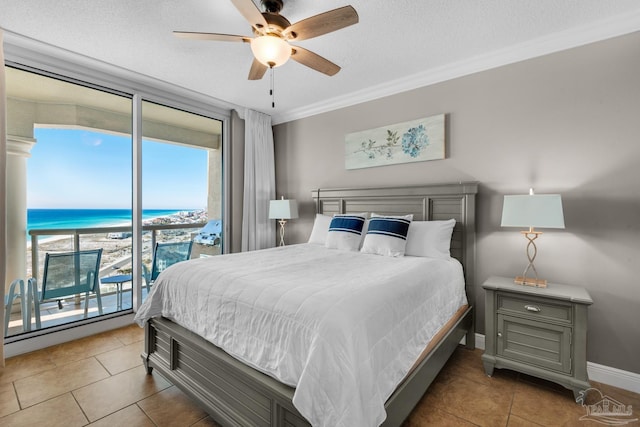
point(343, 328)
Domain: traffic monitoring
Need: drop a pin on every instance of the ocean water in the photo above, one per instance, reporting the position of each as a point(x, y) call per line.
point(83, 218)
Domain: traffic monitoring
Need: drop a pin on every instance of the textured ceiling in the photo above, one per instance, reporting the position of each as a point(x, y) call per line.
point(396, 45)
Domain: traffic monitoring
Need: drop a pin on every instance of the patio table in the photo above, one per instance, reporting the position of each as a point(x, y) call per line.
point(118, 280)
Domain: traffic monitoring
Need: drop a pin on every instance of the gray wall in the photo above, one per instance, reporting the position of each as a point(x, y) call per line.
point(567, 122)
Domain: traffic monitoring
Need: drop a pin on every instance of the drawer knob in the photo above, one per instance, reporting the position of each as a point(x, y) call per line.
point(533, 308)
point(500, 334)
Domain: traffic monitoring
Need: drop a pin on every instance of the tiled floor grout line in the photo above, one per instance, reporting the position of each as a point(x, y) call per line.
point(201, 419)
point(513, 396)
point(104, 367)
point(80, 406)
point(15, 392)
point(145, 412)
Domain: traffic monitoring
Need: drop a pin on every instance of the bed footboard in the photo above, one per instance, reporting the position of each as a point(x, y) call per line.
point(231, 392)
point(235, 394)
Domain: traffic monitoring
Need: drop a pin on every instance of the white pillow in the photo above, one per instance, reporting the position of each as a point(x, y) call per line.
point(375, 215)
point(320, 229)
point(387, 235)
point(430, 239)
point(345, 232)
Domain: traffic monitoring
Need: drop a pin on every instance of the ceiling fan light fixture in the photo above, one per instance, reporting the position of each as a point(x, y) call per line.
point(271, 50)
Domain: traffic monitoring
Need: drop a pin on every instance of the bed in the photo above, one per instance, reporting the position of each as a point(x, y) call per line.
point(237, 394)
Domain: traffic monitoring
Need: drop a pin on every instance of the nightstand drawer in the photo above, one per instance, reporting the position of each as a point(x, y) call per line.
point(535, 308)
point(534, 343)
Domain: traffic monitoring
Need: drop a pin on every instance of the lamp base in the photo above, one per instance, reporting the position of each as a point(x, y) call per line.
point(532, 251)
point(282, 222)
point(530, 281)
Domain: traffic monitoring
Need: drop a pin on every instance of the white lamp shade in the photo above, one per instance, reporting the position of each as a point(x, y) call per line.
point(283, 209)
point(271, 51)
point(539, 210)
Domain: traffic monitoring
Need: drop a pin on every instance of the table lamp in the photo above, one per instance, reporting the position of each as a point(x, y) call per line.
point(534, 210)
point(282, 210)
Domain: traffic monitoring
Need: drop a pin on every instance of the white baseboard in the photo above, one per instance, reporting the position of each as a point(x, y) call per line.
point(600, 373)
point(614, 376)
point(480, 341)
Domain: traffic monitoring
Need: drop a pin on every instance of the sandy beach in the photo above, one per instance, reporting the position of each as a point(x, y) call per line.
point(116, 254)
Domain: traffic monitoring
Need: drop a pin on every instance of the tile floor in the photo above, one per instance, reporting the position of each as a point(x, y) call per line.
point(100, 381)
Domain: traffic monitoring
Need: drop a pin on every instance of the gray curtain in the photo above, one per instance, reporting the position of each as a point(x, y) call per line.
point(3, 193)
point(258, 231)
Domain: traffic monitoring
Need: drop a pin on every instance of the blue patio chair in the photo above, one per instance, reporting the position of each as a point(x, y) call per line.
point(13, 295)
point(67, 274)
point(165, 255)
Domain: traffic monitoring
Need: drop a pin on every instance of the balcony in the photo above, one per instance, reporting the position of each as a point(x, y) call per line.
point(116, 259)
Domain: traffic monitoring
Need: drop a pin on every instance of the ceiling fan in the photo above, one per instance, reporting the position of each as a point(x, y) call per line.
point(273, 32)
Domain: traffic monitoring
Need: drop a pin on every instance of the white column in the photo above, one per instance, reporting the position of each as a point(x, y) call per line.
point(214, 196)
point(18, 150)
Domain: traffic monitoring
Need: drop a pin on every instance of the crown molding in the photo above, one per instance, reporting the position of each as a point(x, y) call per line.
point(574, 37)
point(23, 50)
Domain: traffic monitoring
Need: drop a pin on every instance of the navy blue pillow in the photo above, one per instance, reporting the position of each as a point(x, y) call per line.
point(347, 224)
point(393, 227)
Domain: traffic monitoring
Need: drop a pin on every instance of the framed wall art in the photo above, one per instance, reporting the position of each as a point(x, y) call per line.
point(413, 141)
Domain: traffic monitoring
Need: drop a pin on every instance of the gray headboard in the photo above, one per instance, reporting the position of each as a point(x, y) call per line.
point(425, 202)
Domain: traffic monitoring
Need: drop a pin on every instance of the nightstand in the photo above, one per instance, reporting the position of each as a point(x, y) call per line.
point(537, 331)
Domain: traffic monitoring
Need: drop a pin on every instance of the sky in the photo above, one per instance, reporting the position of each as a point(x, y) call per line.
point(77, 168)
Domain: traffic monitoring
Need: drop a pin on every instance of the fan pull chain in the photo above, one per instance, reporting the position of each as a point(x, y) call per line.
point(272, 91)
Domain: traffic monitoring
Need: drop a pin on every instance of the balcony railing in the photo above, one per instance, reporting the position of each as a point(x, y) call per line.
point(76, 245)
point(116, 255)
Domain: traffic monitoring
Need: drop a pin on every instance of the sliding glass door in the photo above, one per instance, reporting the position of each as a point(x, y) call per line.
point(70, 190)
point(181, 188)
point(72, 174)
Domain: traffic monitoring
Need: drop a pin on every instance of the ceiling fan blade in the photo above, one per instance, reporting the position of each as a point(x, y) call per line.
point(257, 70)
point(323, 23)
point(211, 36)
point(251, 13)
point(315, 61)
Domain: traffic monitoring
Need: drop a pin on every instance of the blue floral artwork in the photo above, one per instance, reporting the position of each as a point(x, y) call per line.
point(413, 141)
